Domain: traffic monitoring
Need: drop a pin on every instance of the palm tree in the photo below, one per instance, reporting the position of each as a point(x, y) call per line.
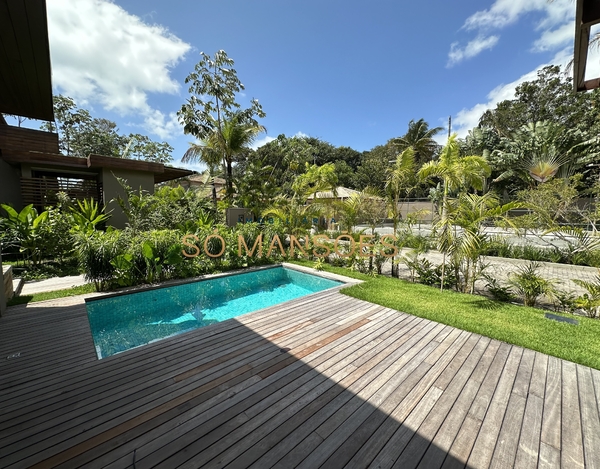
point(420, 137)
point(470, 212)
point(228, 139)
point(535, 155)
point(296, 216)
point(456, 173)
point(401, 181)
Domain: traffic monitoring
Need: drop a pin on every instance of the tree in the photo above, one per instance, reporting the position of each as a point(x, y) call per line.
point(419, 137)
point(141, 147)
point(550, 98)
point(80, 134)
point(536, 153)
point(222, 146)
point(456, 173)
point(470, 212)
point(374, 165)
point(213, 116)
point(257, 187)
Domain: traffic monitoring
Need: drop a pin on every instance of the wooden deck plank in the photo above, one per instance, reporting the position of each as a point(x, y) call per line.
point(326, 406)
point(345, 352)
point(551, 421)
point(590, 421)
point(326, 380)
point(571, 444)
point(215, 450)
point(145, 412)
point(483, 448)
point(320, 362)
point(384, 446)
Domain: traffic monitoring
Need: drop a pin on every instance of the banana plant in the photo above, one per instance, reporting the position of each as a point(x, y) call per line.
point(26, 227)
point(155, 263)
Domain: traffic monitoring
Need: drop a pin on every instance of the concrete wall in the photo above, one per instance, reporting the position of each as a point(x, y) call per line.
point(10, 185)
point(111, 188)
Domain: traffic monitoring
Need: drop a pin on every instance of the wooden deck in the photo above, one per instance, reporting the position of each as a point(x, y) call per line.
point(325, 381)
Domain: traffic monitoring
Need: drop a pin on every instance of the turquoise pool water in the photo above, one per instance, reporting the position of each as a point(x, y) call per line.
point(122, 322)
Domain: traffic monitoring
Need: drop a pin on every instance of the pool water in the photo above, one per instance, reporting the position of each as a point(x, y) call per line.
point(122, 322)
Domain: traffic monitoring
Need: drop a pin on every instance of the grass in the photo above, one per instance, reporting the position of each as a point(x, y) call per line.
point(51, 295)
point(518, 325)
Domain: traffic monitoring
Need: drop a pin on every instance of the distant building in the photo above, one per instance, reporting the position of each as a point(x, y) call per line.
point(205, 184)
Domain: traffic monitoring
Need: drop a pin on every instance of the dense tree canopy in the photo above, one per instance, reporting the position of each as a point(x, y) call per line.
point(80, 134)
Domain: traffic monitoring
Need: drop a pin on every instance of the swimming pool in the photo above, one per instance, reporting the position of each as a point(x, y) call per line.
point(121, 322)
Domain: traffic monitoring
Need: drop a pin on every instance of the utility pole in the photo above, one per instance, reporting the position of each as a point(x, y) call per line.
point(449, 126)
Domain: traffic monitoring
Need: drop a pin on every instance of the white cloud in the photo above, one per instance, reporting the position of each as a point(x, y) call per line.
point(300, 134)
point(102, 54)
point(552, 39)
point(262, 141)
point(466, 119)
point(164, 126)
point(555, 25)
point(473, 48)
point(503, 13)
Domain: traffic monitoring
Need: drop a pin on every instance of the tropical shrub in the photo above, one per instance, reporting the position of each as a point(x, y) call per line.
point(529, 285)
point(25, 230)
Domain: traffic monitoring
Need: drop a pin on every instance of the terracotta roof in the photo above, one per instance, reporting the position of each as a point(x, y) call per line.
point(342, 193)
point(203, 178)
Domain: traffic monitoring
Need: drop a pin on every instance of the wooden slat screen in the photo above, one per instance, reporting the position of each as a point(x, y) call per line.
point(41, 192)
point(18, 138)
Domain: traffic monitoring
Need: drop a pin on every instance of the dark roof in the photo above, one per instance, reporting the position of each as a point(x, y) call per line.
point(25, 74)
point(587, 14)
point(161, 172)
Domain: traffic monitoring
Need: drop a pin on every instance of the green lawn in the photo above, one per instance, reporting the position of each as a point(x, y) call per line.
point(514, 324)
point(51, 295)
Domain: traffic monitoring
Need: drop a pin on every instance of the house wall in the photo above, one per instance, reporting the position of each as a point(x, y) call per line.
point(10, 185)
point(111, 189)
point(22, 139)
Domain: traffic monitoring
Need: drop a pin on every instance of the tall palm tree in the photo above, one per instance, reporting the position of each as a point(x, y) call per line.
point(420, 137)
point(230, 138)
point(456, 173)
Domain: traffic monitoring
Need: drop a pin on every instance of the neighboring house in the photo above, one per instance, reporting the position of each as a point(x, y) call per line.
point(205, 184)
point(341, 194)
point(32, 170)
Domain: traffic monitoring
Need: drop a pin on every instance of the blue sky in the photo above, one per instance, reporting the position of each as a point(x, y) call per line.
point(350, 72)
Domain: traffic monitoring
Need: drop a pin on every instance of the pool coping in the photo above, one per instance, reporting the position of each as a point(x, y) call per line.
point(346, 281)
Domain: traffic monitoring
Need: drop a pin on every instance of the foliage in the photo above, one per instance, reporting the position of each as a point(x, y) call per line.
point(95, 253)
point(471, 212)
point(26, 230)
point(589, 302)
point(550, 204)
point(87, 216)
point(80, 134)
point(374, 165)
point(537, 152)
point(549, 97)
point(457, 173)
point(497, 290)
point(212, 115)
point(167, 208)
point(419, 138)
point(529, 285)
point(295, 216)
point(256, 188)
